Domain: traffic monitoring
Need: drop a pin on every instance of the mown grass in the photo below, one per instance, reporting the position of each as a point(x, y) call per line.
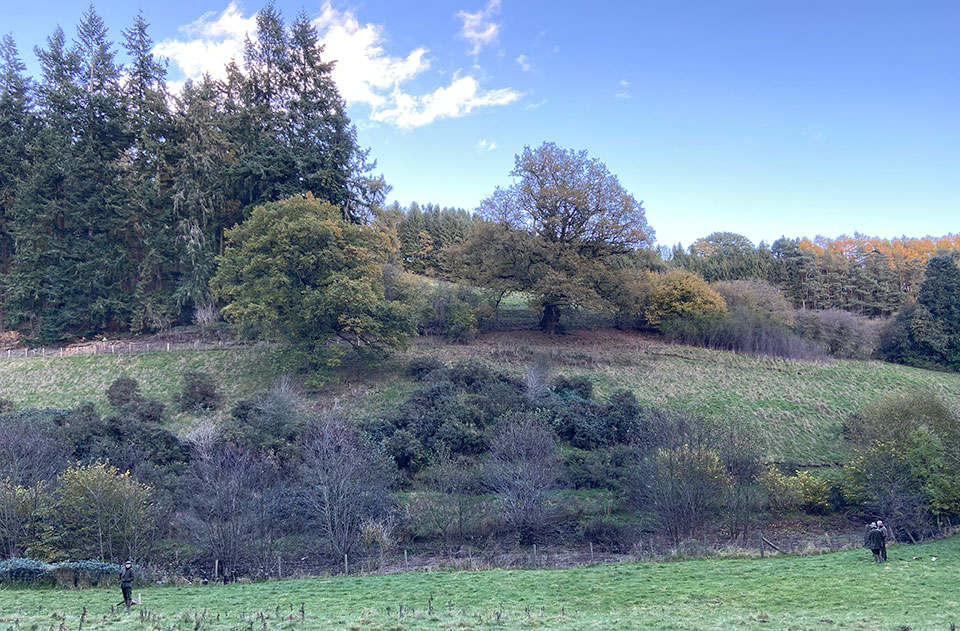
point(65, 382)
point(844, 590)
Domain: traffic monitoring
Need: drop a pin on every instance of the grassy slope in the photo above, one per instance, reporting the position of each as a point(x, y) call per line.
point(799, 407)
point(63, 382)
point(843, 590)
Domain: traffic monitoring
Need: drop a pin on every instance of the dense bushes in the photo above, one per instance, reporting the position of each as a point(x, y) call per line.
point(904, 462)
point(841, 333)
point(199, 393)
point(73, 574)
point(742, 332)
point(454, 312)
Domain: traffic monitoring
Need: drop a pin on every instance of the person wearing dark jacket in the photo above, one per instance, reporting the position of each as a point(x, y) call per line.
point(126, 584)
point(874, 541)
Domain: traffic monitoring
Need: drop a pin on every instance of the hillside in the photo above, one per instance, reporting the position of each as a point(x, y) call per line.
point(915, 590)
point(798, 407)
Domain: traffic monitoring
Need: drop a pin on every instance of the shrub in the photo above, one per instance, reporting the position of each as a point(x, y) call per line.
point(267, 423)
point(683, 486)
point(521, 469)
point(472, 375)
point(199, 392)
point(603, 468)
point(841, 333)
point(579, 386)
point(606, 533)
point(122, 391)
point(743, 332)
point(783, 491)
point(756, 297)
point(680, 294)
point(420, 367)
point(452, 312)
point(623, 416)
point(577, 421)
point(814, 493)
point(26, 571)
point(150, 411)
point(84, 574)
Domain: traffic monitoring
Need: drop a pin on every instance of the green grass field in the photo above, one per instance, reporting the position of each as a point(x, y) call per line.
point(797, 407)
point(64, 382)
point(843, 590)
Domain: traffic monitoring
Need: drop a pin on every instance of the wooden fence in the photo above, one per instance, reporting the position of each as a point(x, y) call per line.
point(115, 348)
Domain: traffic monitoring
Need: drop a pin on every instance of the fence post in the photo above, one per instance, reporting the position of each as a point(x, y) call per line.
point(61, 351)
point(168, 347)
point(279, 568)
point(761, 546)
point(591, 552)
point(346, 565)
point(405, 564)
point(216, 569)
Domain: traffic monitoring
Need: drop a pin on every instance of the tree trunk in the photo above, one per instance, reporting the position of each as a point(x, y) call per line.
point(550, 318)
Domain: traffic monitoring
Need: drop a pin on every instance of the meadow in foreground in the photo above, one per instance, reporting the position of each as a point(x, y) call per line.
point(843, 590)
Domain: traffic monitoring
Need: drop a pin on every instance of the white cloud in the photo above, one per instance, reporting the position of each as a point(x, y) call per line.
point(623, 90)
point(479, 28)
point(364, 72)
point(211, 42)
point(486, 145)
point(534, 106)
point(524, 63)
point(459, 98)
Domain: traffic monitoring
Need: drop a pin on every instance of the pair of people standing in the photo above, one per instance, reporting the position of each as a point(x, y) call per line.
point(876, 540)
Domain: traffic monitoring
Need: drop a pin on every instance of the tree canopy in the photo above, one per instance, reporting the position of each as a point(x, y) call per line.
point(556, 229)
point(296, 272)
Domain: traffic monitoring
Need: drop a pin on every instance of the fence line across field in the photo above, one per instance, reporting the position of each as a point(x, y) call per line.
point(116, 348)
point(286, 566)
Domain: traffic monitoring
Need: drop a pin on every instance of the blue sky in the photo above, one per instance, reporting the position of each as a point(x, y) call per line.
point(765, 118)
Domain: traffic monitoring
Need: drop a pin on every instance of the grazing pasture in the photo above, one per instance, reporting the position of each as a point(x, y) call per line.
point(842, 590)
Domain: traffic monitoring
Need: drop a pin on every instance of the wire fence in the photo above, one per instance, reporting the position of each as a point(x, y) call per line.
point(116, 348)
point(469, 558)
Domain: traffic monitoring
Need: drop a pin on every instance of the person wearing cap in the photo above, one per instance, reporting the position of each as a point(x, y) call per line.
point(126, 583)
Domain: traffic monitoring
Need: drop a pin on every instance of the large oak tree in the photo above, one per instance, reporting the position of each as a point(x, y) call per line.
point(556, 232)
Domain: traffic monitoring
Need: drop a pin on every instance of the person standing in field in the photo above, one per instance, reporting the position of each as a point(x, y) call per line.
point(126, 584)
point(874, 541)
point(883, 532)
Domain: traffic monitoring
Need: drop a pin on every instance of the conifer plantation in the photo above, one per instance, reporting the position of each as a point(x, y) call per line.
point(115, 193)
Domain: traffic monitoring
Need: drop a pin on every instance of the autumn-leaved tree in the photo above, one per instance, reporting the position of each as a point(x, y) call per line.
point(564, 222)
point(296, 272)
point(680, 294)
point(101, 512)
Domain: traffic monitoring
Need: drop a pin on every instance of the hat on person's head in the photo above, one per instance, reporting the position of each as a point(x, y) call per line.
point(128, 562)
point(873, 524)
